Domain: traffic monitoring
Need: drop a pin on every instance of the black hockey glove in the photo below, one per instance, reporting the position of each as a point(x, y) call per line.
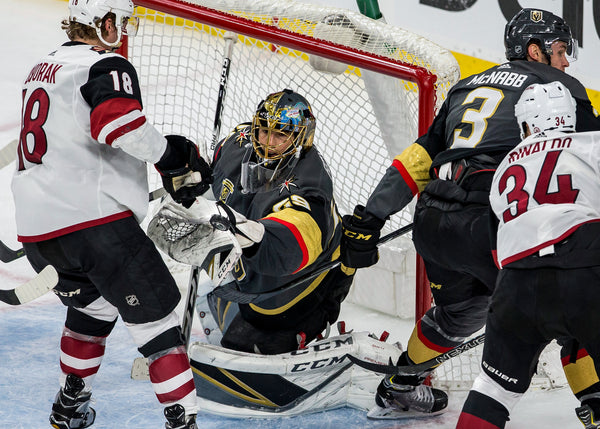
point(177, 166)
point(359, 242)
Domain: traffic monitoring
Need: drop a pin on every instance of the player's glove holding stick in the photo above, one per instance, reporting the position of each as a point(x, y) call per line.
point(361, 235)
point(184, 173)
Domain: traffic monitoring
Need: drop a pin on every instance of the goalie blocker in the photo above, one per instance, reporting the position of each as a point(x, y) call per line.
point(317, 378)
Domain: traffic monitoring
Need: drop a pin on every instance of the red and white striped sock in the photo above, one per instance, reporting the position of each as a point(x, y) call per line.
point(172, 379)
point(80, 355)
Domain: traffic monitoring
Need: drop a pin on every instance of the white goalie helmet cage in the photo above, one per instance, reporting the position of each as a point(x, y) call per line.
point(90, 12)
point(545, 107)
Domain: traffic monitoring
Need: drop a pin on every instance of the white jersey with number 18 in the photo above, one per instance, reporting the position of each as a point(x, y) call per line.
point(78, 101)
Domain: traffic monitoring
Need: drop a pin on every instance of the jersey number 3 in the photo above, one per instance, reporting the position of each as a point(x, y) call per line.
point(32, 140)
point(564, 195)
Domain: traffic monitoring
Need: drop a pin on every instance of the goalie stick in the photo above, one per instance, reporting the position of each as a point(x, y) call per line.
point(139, 369)
point(229, 291)
point(44, 281)
point(418, 368)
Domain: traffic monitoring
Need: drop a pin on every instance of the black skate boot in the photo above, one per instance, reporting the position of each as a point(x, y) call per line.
point(71, 408)
point(586, 415)
point(176, 418)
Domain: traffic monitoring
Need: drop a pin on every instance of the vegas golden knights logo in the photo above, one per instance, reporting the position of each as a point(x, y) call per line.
point(536, 15)
point(226, 190)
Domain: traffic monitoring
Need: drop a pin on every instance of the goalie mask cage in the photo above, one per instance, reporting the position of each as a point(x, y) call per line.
point(374, 88)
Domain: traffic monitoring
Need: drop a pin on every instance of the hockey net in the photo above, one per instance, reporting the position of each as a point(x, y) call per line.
point(379, 94)
point(373, 88)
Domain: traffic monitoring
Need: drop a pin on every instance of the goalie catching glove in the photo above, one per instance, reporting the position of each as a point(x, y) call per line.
point(361, 235)
point(220, 216)
point(184, 173)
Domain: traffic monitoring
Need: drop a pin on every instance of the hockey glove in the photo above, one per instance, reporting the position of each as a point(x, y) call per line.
point(248, 232)
point(359, 242)
point(184, 173)
point(220, 216)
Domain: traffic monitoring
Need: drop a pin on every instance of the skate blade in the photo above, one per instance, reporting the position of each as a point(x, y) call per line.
point(389, 413)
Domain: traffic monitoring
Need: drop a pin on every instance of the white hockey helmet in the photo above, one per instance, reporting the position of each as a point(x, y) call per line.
point(91, 12)
point(545, 107)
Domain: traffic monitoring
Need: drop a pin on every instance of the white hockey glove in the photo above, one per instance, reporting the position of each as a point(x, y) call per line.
point(186, 242)
point(220, 216)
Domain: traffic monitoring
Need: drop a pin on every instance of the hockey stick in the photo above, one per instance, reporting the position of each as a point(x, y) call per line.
point(139, 369)
point(44, 281)
point(230, 40)
point(229, 291)
point(419, 367)
point(8, 153)
point(8, 255)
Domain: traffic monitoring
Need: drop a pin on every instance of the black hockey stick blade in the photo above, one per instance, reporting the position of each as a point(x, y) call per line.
point(8, 255)
point(230, 292)
point(44, 281)
point(418, 368)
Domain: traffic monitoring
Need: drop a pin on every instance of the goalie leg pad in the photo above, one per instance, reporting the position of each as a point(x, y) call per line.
point(317, 378)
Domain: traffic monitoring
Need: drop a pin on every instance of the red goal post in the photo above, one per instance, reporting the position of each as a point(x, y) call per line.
point(385, 71)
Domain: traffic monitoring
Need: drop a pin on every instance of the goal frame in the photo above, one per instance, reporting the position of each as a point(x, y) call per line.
point(418, 75)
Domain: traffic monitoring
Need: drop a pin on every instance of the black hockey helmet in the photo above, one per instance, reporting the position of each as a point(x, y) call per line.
point(539, 26)
point(286, 112)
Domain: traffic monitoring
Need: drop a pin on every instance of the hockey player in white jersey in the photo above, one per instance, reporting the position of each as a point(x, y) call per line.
point(80, 191)
point(545, 196)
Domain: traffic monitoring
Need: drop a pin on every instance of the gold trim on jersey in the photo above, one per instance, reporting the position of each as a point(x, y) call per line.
point(417, 162)
point(310, 233)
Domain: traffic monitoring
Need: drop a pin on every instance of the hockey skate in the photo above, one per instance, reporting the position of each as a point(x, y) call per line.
point(401, 397)
point(176, 418)
point(587, 417)
point(71, 408)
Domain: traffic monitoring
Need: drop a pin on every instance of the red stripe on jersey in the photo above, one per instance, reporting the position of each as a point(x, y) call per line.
point(168, 366)
point(545, 244)
point(406, 176)
point(73, 228)
point(110, 110)
point(469, 421)
point(177, 394)
point(81, 349)
point(130, 126)
point(429, 344)
point(581, 353)
point(299, 239)
point(495, 257)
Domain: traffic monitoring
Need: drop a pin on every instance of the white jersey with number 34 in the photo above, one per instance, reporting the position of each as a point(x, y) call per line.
point(543, 190)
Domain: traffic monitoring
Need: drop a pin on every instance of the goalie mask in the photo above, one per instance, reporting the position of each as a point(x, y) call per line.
point(546, 107)
point(541, 27)
point(92, 12)
point(282, 128)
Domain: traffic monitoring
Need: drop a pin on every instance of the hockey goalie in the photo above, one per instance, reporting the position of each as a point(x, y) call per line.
point(314, 377)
